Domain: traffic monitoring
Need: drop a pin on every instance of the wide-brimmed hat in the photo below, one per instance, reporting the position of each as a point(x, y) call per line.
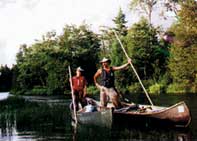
point(105, 60)
point(80, 69)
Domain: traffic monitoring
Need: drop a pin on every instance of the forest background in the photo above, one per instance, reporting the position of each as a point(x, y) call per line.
point(166, 60)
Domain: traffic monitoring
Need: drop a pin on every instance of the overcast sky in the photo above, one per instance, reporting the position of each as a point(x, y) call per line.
point(23, 21)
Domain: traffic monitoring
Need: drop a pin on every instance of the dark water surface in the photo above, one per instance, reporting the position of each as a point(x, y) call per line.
point(44, 119)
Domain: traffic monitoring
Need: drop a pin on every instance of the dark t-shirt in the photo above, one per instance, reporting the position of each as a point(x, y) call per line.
point(107, 78)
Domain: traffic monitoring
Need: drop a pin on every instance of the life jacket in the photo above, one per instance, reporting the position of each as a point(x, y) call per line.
point(78, 83)
point(107, 78)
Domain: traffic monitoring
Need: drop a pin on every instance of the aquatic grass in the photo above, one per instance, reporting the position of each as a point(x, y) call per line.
point(34, 115)
point(11, 103)
point(42, 116)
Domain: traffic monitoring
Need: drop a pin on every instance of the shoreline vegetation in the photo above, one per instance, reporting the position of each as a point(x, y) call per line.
point(166, 61)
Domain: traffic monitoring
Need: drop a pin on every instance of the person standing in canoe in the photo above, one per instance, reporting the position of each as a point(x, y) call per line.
point(79, 88)
point(107, 87)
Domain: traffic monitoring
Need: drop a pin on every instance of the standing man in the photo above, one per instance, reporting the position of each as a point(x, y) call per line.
point(79, 88)
point(107, 87)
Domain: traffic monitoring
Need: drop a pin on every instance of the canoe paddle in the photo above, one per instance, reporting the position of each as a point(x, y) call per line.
point(72, 92)
point(133, 67)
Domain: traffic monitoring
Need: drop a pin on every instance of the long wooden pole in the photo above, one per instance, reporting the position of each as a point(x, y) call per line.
point(133, 68)
point(72, 92)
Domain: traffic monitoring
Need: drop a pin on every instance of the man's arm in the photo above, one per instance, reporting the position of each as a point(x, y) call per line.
point(96, 75)
point(85, 91)
point(123, 66)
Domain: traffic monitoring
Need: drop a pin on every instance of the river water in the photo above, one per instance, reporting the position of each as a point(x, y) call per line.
point(44, 119)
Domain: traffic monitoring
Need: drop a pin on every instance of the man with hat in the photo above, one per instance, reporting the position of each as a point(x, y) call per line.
point(107, 87)
point(79, 88)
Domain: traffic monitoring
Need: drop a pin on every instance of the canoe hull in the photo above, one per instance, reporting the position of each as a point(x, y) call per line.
point(177, 115)
point(102, 118)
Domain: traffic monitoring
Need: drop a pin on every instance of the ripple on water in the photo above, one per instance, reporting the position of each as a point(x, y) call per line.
point(4, 95)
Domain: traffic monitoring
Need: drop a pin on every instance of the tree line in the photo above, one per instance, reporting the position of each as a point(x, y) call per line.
point(166, 64)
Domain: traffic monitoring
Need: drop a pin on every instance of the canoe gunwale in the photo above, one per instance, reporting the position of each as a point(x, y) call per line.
point(184, 121)
point(164, 109)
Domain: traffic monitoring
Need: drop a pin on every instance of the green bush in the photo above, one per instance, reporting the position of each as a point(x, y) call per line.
point(156, 89)
point(28, 92)
point(181, 88)
point(37, 90)
point(148, 82)
point(135, 88)
point(176, 88)
point(17, 92)
point(92, 90)
point(194, 89)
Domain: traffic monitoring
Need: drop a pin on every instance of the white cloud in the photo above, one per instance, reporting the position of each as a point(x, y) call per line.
point(2, 52)
point(23, 21)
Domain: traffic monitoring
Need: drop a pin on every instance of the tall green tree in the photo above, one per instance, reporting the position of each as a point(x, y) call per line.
point(183, 60)
point(116, 54)
point(42, 68)
point(120, 23)
point(83, 47)
point(142, 44)
point(121, 30)
point(5, 78)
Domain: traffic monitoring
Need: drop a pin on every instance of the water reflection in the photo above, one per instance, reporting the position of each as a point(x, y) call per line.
point(21, 120)
point(82, 133)
point(4, 95)
point(183, 137)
